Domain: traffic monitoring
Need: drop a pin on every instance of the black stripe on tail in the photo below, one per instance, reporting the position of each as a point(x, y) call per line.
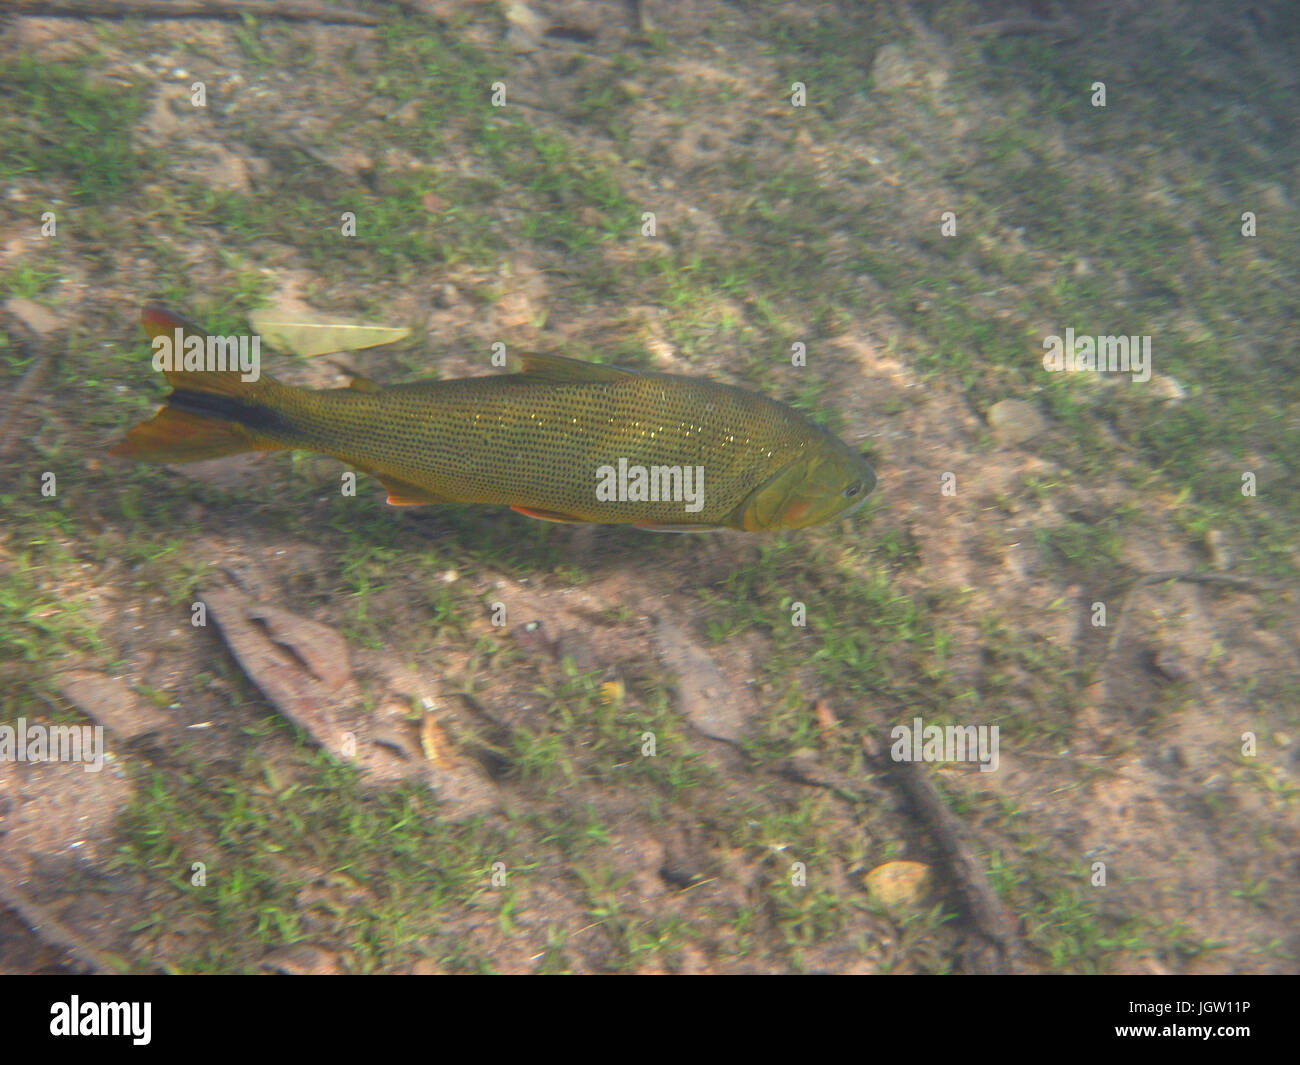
point(230, 409)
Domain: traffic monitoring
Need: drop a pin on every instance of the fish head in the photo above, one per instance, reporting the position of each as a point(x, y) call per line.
point(827, 481)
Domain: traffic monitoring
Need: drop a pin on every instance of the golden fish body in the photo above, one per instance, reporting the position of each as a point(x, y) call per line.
point(564, 440)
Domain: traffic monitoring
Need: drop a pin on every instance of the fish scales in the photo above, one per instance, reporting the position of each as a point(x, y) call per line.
point(512, 441)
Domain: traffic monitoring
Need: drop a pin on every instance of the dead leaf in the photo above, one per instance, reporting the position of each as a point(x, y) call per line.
point(286, 658)
point(434, 741)
point(40, 320)
point(109, 701)
point(303, 959)
point(708, 701)
point(826, 718)
point(320, 648)
point(898, 885)
point(301, 667)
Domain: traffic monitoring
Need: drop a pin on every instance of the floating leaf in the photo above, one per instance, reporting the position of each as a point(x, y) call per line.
point(309, 333)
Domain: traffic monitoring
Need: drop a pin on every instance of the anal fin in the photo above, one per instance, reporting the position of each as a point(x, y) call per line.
point(651, 526)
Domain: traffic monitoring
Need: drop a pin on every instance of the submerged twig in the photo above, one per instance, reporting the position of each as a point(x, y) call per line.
point(986, 910)
point(50, 929)
point(31, 380)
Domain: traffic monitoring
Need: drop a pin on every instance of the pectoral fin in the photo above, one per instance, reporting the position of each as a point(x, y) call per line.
point(549, 515)
point(404, 494)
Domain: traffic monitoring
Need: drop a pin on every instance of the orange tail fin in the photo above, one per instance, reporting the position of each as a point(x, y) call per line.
point(211, 412)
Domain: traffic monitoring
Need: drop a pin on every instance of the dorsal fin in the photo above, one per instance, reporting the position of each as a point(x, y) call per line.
point(559, 369)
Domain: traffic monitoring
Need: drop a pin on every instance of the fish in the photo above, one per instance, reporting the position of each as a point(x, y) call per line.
point(563, 440)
